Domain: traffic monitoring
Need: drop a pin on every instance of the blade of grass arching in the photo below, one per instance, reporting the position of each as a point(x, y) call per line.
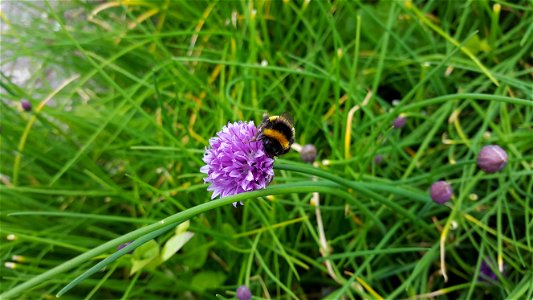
point(526, 35)
point(439, 117)
point(249, 264)
point(528, 219)
point(495, 233)
point(336, 62)
point(82, 215)
point(133, 281)
point(373, 252)
point(441, 62)
point(283, 253)
point(465, 189)
point(413, 90)
point(524, 286)
point(92, 138)
point(360, 206)
point(384, 47)
point(383, 243)
point(252, 66)
point(47, 241)
point(355, 58)
point(499, 241)
point(352, 184)
point(104, 279)
point(113, 257)
point(33, 118)
point(443, 291)
point(174, 219)
point(127, 98)
point(446, 98)
point(48, 191)
point(87, 144)
point(278, 244)
point(293, 33)
point(157, 191)
point(475, 277)
point(393, 188)
point(111, 117)
point(423, 263)
point(105, 63)
point(265, 228)
point(267, 270)
point(409, 6)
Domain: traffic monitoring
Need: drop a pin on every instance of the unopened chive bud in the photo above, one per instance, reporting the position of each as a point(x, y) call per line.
point(119, 247)
point(399, 122)
point(441, 192)
point(243, 293)
point(378, 159)
point(308, 153)
point(487, 273)
point(492, 158)
point(25, 104)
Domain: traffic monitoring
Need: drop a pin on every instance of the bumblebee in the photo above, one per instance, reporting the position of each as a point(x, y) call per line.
point(276, 133)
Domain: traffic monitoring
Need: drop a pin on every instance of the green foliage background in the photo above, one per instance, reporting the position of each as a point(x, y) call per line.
point(126, 95)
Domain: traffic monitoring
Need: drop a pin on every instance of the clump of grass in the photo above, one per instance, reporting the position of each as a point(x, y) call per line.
point(125, 96)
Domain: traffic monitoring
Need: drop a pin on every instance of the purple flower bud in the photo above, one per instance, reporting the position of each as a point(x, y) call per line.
point(243, 293)
point(25, 104)
point(308, 153)
point(492, 158)
point(441, 192)
point(486, 273)
point(119, 247)
point(399, 122)
point(378, 159)
point(236, 164)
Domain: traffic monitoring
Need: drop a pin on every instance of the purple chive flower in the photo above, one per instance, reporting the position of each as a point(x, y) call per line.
point(308, 153)
point(25, 104)
point(234, 164)
point(492, 158)
point(378, 159)
point(399, 122)
point(243, 293)
point(441, 192)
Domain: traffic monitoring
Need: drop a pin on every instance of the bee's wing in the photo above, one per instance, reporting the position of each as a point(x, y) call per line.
point(287, 116)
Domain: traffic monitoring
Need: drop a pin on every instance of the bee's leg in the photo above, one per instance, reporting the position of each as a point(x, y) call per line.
point(257, 136)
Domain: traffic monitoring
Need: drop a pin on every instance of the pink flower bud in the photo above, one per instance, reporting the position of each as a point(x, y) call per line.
point(441, 192)
point(399, 122)
point(492, 158)
point(25, 104)
point(243, 293)
point(308, 153)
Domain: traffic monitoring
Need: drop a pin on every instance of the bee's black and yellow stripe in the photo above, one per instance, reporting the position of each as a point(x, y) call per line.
point(278, 136)
point(277, 133)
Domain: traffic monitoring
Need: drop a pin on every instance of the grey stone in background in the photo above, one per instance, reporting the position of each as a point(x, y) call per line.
point(20, 69)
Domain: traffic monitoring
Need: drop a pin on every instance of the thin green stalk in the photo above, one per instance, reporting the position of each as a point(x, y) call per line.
point(422, 17)
point(174, 219)
point(473, 96)
point(110, 259)
point(358, 186)
point(81, 215)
